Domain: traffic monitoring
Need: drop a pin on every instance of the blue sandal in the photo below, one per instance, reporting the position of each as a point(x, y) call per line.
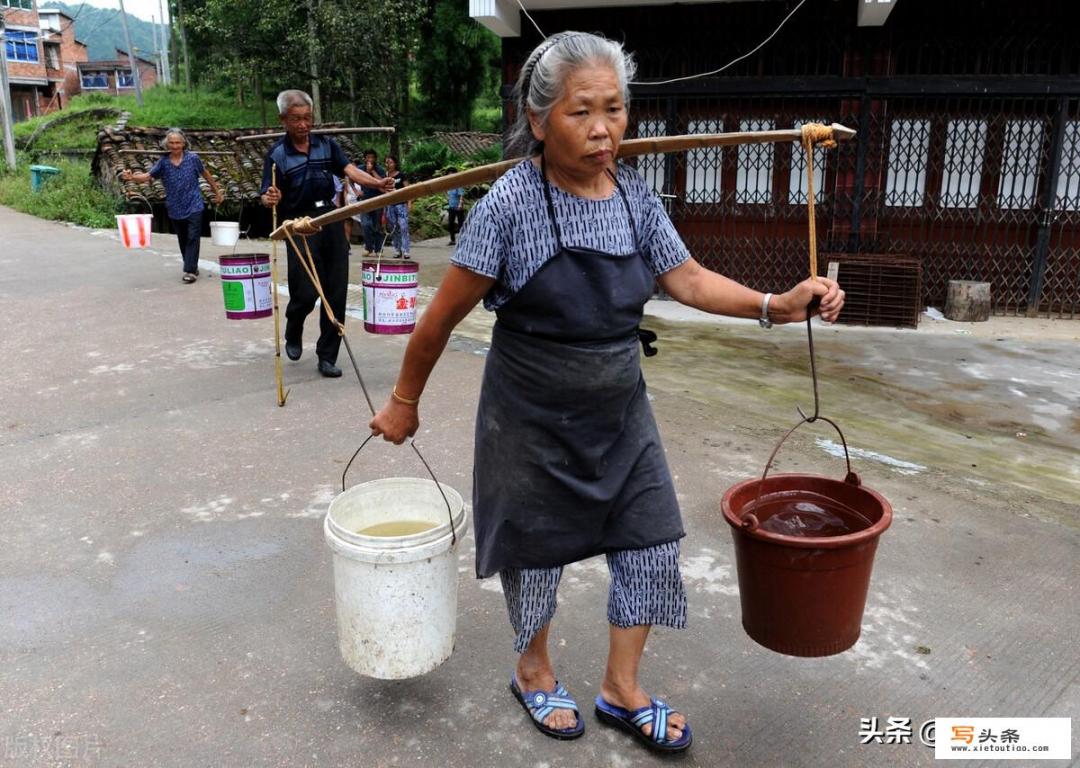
point(656, 713)
point(540, 704)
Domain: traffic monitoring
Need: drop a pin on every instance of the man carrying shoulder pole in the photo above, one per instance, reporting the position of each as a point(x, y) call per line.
point(306, 166)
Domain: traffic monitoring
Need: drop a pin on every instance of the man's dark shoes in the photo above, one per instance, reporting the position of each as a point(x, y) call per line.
point(328, 369)
point(293, 349)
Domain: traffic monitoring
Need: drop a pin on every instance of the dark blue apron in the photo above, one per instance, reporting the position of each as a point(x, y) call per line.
point(568, 460)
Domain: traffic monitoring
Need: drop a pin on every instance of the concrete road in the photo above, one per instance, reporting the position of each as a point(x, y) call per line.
point(166, 595)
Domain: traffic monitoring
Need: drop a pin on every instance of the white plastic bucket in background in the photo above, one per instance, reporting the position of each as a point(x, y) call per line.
point(135, 229)
point(224, 232)
point(396, 596)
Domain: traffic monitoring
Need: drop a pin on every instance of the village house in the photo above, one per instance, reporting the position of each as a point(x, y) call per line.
point(114, 75)
point(966, 165)
point(47, 66)
point(62, 56)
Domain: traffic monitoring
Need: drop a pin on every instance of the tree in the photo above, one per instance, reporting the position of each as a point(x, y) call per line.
point(455, 62)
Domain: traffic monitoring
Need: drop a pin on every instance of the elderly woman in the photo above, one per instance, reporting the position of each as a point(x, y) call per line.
point(179, 172)
point(566, 249)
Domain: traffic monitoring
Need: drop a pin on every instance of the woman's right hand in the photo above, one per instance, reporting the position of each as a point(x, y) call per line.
point(395, 421)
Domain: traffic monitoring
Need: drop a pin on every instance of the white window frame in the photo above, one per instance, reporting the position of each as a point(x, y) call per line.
point(1021, 160)
point(906, 187)
point(965, 151)
point(1067, 194)
point(651, 167)
point(704, 166)
point(753, 185)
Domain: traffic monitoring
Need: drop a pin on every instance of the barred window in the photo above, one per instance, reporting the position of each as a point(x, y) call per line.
point(909, 145)
point(1021, 158)
point(965, 147)
point(1068, 186)
point(651, 167)
point(703, 165)
point(753, 180)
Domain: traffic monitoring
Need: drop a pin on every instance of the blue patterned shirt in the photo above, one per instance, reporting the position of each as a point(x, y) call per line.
point(508, 234)
point(183, 197)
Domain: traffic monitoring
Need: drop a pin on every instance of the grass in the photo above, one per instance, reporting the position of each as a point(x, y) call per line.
point(162, 106)
point(72, 195)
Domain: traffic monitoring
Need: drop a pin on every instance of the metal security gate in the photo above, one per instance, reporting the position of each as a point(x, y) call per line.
point(984, 188)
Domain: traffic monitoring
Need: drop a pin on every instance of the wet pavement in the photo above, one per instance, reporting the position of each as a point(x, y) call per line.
point(167, 597)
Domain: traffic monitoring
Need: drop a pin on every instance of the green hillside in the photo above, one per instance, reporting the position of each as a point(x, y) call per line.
point(102, 32)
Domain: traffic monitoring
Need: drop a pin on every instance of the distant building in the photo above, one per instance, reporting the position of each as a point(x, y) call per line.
point(114, 75)
point(47, 66)
point(62, 55)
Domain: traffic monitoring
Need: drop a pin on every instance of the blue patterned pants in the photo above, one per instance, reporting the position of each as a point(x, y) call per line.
point(397, 220)
point(646, 588)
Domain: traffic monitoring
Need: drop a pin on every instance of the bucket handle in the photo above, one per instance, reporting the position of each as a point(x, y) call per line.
point(149, 205)
point(749, 519)
point(438, 485)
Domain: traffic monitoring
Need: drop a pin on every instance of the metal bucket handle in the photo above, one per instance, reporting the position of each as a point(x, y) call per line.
point(145, 199)
point(438, 485)
point(749, 519)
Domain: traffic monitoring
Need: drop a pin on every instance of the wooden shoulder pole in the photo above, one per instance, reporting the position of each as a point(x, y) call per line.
point(484, 173)
point(282, 394)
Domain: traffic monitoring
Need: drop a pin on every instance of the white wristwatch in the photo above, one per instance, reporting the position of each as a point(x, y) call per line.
point(764, 320)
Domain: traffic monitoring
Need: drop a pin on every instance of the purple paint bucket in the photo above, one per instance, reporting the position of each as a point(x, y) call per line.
point(390, 296)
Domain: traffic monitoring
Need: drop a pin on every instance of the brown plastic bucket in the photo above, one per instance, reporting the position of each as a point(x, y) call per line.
point(801, 595)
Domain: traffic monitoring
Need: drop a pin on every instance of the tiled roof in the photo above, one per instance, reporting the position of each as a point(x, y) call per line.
point(466, 143)
point(239, 173)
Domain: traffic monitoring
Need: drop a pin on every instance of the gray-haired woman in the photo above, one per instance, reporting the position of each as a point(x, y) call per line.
point(568, 461)
point(179, 172)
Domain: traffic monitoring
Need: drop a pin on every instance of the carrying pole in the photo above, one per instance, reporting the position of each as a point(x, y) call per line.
point(282, 393)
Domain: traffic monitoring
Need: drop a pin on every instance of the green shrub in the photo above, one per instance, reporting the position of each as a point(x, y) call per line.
point(72, 195)
point(426, 159)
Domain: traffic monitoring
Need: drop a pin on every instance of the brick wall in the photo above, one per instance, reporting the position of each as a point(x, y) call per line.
point(15, 17)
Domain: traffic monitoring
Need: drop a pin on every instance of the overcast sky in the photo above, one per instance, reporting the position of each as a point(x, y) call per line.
point(144, 9)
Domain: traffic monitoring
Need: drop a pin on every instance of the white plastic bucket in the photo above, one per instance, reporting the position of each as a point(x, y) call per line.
point(396, 596)
point(224, 232)
point(135, 229)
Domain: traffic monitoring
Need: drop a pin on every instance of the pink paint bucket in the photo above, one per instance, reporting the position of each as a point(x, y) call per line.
point(245, 285)
point(390, 296)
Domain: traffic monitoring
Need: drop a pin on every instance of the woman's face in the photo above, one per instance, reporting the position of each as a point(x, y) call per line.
point(391, 164)
point(585, 126)
point(174, 143)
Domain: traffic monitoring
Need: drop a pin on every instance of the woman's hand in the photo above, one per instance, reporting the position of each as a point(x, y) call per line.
point(125, 175)
point(219, 197)
point(791, 307)
point(395, 422)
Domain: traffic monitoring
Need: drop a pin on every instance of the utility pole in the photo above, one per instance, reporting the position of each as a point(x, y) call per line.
point(164, 47)
point(316, 112)
point(131, 56)
point(6, 117)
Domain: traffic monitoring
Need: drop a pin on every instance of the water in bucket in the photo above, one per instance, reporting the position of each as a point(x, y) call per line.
point(791, 513)
point(397, 528)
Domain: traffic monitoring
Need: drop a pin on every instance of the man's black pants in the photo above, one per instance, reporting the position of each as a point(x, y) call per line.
point(331, 255)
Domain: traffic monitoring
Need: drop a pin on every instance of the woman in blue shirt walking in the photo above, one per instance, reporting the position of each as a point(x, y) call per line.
point(179, 172)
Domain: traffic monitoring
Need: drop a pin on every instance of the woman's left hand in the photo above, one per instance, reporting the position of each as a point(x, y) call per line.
point(792, 306)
